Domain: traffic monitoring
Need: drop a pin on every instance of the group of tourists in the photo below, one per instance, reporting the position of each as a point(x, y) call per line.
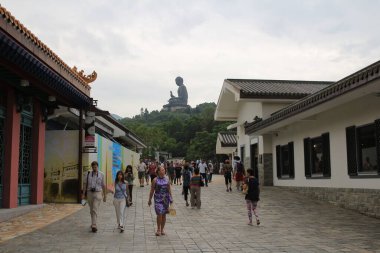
point(161, 176)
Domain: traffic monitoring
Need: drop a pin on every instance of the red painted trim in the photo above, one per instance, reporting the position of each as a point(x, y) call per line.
point(38, 155)
point(12, 145)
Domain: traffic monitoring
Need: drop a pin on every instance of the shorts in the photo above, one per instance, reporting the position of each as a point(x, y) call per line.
point(228, 179)
point(141, 174)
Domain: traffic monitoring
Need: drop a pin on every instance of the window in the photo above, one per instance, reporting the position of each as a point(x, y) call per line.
point(363, 149)
point(285, 160)
point(317, 156)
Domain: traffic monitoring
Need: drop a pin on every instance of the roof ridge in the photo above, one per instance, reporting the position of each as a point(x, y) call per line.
point(79, 76)
point(282, 80)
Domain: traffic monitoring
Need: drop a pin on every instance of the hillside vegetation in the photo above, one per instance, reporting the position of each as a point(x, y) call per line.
point(190, 133)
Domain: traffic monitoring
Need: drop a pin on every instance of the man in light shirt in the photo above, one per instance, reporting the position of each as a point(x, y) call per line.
point(95, 187)
point(141, 172)
point(203, 171)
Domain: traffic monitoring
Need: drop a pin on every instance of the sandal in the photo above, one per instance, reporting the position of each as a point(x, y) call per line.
point(163, 233)
point(158, 233)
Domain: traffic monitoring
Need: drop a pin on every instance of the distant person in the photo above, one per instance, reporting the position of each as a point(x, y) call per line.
point(227, 172)
point(239, 174)
point(162, 199)
point(152, 170)
point(129, 178)
point(186, 177)
point(252, 196)
point(210, 171)
point(195, 189)
point(171, 172)
point(141, 172)
point(178, 174)
point(203, 169)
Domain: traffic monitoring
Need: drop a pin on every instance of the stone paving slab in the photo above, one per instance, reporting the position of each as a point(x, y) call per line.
point(290, 223)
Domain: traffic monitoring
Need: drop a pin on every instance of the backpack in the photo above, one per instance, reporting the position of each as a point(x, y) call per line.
point(239, 167)
point(186, 177)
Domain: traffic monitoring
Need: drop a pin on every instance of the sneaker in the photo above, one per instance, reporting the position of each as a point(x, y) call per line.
point(227, 190)
point(121, 229)
point(230, 189)
point(258, 222)
point(249, 223)
point(187, 204)
point(94, 229)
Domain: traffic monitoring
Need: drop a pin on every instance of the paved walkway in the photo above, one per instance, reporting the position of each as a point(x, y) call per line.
point(290, 223)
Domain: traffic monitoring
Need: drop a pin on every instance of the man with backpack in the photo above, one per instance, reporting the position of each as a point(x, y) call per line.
point(186, 177)
point(239, 173)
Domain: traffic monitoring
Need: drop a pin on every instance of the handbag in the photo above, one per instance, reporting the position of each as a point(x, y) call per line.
point(172, 211)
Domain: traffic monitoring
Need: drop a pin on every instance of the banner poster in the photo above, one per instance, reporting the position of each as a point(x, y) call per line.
point(89, 127)
point(116, 159)
point(61, 166)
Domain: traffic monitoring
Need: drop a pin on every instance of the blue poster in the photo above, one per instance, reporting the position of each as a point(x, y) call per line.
point(116, 159)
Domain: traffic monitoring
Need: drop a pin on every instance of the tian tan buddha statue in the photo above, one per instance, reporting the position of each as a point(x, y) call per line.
point(181, 100)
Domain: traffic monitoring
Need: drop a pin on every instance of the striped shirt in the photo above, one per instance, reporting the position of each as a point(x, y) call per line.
point(195, 181)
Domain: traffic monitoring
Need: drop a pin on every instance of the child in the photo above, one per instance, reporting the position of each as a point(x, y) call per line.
point(252, 196)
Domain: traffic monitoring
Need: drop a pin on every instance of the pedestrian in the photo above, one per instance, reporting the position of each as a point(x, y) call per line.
point(129, 178)
point(239, 174)
point(203, 170)
point(152, 170)
point(171, 172)
point(252, 196)
point(227, 172)
point(120, 199)
point(186, 176)
point(95, 187)
point(162, 199)
point(178, 173)
point(147, 175)
point(141, 172)
point(210, 170)
point(195, 189)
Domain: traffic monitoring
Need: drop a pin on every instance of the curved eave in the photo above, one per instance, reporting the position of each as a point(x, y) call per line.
point(13, 54)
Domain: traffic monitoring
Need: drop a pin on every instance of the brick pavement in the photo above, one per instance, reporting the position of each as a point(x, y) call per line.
point(290, 223)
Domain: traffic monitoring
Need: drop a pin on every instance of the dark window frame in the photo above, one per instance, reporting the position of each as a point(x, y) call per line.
point(354, 156)
point(309, 157)
point(280, 161)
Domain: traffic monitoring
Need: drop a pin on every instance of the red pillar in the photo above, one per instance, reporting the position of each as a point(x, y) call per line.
point(38, 155)
point(12, 145)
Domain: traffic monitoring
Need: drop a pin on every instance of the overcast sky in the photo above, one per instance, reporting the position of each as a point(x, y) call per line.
point(139, 47)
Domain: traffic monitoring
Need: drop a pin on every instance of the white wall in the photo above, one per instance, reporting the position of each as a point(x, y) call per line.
point(359, 112)
point(248, 110)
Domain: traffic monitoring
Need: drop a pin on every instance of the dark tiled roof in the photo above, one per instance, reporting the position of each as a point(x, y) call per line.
point(347, 84)
point(256, 88)
point(227, 139)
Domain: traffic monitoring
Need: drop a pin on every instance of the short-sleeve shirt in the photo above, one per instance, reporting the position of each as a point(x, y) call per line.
point(141, 167)
point(152, 169)
point(95, 180)
point(202, 167)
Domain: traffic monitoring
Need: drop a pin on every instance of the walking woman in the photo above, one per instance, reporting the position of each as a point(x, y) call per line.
point(252, 196)
point(178, 174)
point(162, 199)
point(120, 197)
point(129, 178)
point(195, 189)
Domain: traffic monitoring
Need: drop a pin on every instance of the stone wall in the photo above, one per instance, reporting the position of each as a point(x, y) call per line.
point(365, 201)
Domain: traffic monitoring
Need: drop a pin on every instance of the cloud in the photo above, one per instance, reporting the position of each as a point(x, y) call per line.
point(139, 47)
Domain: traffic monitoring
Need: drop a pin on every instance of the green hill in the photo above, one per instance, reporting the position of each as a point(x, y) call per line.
point(190, 133)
